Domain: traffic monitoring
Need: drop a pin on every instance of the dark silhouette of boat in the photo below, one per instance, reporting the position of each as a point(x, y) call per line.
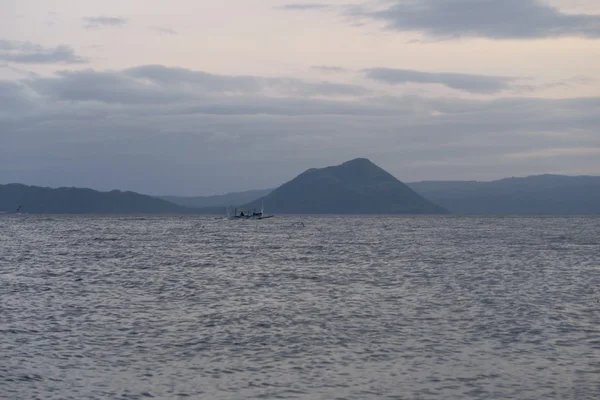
point(234, 213)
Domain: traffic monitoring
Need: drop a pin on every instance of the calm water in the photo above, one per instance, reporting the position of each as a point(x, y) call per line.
point(342, 308)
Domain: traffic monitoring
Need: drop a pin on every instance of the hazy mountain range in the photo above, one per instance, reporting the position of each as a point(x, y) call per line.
point(40, 200)
point(532, 195)
point(234, 198)
point(355, 187)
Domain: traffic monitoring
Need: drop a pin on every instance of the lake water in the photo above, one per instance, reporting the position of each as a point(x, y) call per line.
point(340, 308)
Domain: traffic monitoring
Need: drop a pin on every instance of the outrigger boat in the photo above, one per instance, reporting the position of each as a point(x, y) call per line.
point(234, 213)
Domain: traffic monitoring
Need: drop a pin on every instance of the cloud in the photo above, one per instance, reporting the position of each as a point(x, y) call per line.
point(29, 53)
point(200, 92)
point(573, 81)
point(304, 6)
point(481, 84)
point(157, 129)
point(164, 30)
point(99, 22)
point(494, 19)
point(19, 71)
point(329, 68)
point(13, 97)
point(558, 152)
point(214, 83)
point(106, 87)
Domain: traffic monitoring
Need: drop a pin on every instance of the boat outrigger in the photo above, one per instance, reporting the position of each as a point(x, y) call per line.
point(234, 213)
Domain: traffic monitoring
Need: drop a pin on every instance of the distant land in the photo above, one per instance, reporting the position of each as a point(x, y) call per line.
point(355, 187)
point(222, 200)
point(532, 195)
point(41, 200)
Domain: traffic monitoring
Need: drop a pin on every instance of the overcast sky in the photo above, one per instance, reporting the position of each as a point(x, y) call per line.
point(196, 97)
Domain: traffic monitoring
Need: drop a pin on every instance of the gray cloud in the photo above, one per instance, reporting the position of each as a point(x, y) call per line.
point(166, 76)
point(13, 97)
point(166, 130)
point(164, 30)
point(241, 84)
point(19, 71)
point(99, 22)
point(329, 68)
point(505, 19)
point(218, 94)
point(107, 87)
point(30, 53)
point(304, 6)
point(482, 84)
point(563, 83)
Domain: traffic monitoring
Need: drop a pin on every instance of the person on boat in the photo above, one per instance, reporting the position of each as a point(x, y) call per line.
point(241, 214)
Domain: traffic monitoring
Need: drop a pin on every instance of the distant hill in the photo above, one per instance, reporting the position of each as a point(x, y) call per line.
point(41, 200)
point(532, 195)
point(354, 187)
point(223, 200)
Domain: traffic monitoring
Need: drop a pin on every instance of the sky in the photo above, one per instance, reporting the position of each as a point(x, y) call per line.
point(196, 97)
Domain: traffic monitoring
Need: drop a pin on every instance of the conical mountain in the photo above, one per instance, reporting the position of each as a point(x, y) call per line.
point(354, 187)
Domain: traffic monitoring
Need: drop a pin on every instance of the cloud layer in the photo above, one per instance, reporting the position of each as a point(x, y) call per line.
point(151, 84)
point(494, 19)
point(30, 53)
point(480, 84)
point(172, 130)
point(304, 6)
point(164, 30)
point(329, 68)
point(99, 22)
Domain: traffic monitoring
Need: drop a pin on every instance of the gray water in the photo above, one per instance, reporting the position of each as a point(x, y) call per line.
point(341, 308)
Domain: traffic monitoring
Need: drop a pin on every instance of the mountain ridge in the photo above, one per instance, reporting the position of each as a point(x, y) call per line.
point(356, 186)
point(220, 200)
point(546, 194)
point(71, 200)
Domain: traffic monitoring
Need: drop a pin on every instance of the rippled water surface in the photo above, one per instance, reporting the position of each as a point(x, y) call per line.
point(340, 308)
